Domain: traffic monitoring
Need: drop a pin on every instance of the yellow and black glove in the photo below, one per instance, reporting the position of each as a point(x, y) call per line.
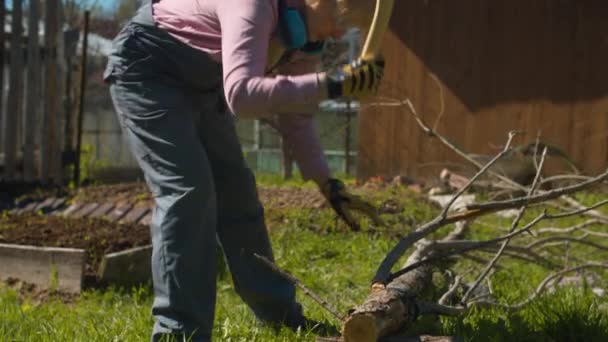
point(359, 79)
point(345, 203)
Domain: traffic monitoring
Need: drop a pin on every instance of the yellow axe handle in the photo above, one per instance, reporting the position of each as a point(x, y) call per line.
point(382, 16)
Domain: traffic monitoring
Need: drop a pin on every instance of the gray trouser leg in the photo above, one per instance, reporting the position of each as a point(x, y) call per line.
point(241, 228)
point(159, 125)
point(198, 177)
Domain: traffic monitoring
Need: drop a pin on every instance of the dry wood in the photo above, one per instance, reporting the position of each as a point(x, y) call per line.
point(60, 70)
point(514, 225)
point(12, 126)
point(2, 62)
point(383, 272)
point(325, 304)
point(421, 338)
point(394, 302)
point(48, 145)
point(33, 91)
point(392, 307)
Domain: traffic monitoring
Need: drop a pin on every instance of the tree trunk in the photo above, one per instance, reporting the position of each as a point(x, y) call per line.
point(421, 338)
point(391, 308)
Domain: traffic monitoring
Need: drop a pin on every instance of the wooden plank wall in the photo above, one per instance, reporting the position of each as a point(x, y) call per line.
point(498, 65)
point(32, 103)
point(15, 92)
point(33, 139)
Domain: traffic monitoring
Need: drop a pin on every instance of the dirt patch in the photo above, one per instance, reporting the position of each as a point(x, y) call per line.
point(273, 197)
point(37, 295)
point(291, 197)
point(127, 192)
point(97, 237)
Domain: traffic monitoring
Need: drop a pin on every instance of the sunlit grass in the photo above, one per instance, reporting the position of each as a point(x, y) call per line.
point(338, 265)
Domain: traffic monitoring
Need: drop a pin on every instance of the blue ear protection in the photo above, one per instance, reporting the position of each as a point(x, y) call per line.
point(293, 32)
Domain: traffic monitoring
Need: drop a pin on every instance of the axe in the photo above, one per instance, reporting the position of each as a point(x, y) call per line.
point(382, 16)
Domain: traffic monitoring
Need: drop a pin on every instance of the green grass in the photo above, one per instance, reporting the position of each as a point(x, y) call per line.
point(338, 265)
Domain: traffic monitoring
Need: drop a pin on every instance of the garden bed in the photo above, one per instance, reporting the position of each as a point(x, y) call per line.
point(31, 242)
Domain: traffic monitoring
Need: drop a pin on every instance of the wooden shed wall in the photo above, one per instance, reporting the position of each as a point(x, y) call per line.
point(500, 65)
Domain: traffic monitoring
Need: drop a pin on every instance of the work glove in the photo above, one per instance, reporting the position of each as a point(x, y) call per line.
point(344, 204)
point(358, 80)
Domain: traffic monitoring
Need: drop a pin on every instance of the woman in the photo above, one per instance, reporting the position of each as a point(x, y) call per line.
point(177, 71)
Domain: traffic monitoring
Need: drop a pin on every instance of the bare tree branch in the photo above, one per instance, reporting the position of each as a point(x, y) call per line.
point(579, 227)
point(523, 254)
point(514, 225)
point(594, 213)
point(509, 182)
point(394, 287)
point(544, 196)
point(428, 308)
point(580, 210)
point(384, 271)
point(322, 302)
point(579, 240)
point(542, 286)
point(572, 229)
point(446, 297)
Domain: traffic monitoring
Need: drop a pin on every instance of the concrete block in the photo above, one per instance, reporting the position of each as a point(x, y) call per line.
point(126, 268)
point(47, 267)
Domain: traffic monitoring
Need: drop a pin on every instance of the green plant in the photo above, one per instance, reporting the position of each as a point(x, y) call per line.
point(89, 164)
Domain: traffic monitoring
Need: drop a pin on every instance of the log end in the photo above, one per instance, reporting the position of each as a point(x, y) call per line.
point(360, 328)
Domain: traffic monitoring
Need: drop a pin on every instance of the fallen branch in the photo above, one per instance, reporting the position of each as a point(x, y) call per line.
point(390, 308)
point(572, 229)
point(580, 240)
point(384, 271)
point(542, 287)
point(542, 197)
point(324, 304)
point(514, 225)
point(452, 146)
point(394, 303)
point(474, 210)
point(446, 297)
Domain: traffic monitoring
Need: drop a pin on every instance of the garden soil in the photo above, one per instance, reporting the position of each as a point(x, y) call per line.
point(96, 236)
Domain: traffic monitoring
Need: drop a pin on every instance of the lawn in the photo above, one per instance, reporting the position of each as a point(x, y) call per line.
point(338, 265)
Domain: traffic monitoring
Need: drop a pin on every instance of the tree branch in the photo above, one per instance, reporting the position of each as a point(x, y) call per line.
point(324, 304)
point(514, 225)
point(544, 196)
point(384, 270)
point(542, 286)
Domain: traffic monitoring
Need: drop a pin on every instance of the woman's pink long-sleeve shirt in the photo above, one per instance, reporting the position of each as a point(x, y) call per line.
point(241, 35)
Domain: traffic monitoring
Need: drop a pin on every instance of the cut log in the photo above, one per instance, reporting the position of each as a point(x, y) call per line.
point(421, 338)
point(392, 308)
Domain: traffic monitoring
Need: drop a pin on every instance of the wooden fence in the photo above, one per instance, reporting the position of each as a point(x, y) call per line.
point(487, 67)
point(34, 120)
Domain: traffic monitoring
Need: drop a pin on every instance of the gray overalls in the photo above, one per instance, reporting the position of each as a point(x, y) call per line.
point(170, 104)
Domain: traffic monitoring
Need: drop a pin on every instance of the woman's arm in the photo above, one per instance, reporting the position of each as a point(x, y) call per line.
point(301, 138)
point(247, 27)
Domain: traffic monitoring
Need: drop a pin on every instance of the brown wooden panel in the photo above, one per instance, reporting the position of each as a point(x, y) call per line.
point(502, 65)
point(85, 211)
point(73, 208)
point(46, 205)
point(102, 210)
point(135, 214)
point(119, 211)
